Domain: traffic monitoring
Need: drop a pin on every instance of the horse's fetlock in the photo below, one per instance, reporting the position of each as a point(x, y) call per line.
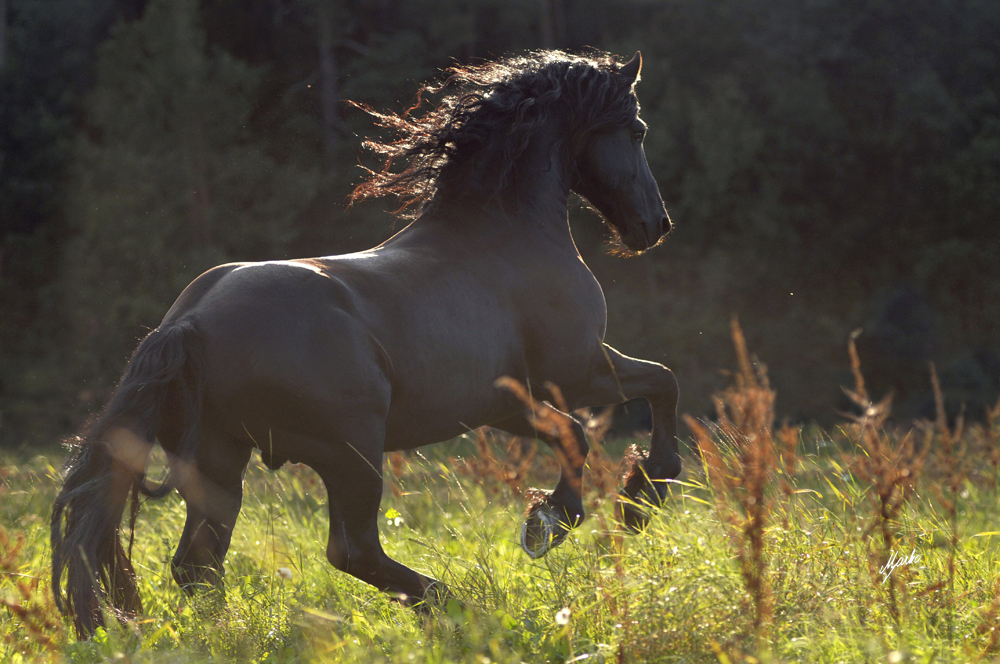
point(666, 470)
point(337, 554)
point(190, 576)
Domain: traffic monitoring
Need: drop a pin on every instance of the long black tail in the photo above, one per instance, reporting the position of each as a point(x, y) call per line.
point(108, 463)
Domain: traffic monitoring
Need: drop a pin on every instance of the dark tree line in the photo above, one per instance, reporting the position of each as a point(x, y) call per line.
point(828, 166)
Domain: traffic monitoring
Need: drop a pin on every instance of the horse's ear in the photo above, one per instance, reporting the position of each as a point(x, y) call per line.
point(630, 71)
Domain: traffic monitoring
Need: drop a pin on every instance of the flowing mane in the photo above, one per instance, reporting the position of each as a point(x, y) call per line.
point(489, 114)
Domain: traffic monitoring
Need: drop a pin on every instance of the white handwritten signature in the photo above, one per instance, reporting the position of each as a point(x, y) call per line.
point(895, 562)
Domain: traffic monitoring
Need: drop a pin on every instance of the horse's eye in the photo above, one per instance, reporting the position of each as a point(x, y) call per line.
point(638, 135)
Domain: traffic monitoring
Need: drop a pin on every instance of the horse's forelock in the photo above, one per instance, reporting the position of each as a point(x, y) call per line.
point(494, 108)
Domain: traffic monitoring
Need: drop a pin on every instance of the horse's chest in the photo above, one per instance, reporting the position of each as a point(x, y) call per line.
point(563, 331)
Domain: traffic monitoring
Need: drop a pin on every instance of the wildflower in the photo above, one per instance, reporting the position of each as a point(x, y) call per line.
point(562, 618)
point(284, 573)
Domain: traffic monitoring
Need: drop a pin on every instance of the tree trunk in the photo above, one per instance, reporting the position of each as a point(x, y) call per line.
point(3, 33)
point(329, 89)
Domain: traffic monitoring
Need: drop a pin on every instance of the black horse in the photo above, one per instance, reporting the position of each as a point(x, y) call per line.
point(333, 361)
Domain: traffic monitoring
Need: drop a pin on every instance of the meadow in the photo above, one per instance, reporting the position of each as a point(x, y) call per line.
point(869, 542)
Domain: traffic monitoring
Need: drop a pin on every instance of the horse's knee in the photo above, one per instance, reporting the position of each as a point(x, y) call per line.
point(669, 388)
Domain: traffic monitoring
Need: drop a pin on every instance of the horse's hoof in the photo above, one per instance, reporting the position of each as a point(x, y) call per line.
point(541, 531)
point(194, 578)
point(438, 593)
point(436, 596)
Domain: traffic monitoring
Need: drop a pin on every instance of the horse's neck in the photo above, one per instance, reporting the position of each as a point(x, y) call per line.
point(533, 207)
point(495, 227)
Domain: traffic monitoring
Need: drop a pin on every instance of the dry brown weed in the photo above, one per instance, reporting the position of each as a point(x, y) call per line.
point(740, 468)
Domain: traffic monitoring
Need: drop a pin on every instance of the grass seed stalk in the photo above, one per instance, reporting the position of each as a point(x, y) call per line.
point(739, 457)
point(890, 465)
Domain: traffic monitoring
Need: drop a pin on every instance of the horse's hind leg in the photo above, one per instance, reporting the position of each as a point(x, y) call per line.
point(212, 488)
point(353, 478)
point(552, 514)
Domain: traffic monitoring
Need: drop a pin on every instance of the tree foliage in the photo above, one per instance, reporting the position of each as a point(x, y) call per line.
point(828, 165)
point(168, 180)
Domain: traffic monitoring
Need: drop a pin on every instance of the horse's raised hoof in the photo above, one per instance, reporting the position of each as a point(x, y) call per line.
point(538, 533)
point(543, 528)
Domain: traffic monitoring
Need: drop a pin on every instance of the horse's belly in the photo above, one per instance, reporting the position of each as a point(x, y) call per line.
point(450, 403)
point(403, 436)
point(447, 405)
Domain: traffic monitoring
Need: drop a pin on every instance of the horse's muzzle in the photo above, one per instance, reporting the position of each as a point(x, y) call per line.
point(653, 232)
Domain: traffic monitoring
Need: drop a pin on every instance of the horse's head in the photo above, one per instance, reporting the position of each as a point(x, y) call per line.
point(612, 174)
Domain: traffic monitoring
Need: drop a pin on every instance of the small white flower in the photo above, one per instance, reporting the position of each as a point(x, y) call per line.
point(894, 657)
point(562, 618)
point(284, 573)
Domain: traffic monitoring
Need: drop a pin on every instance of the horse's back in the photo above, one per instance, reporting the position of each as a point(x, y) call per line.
point(303, 343)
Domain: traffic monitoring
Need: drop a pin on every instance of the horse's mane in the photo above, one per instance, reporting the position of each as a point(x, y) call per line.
point(490, 113)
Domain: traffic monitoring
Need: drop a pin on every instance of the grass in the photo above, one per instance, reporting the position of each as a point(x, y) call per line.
point(781, 565)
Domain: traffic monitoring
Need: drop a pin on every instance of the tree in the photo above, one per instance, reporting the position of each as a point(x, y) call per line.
point(47, 46)
point(168, 181)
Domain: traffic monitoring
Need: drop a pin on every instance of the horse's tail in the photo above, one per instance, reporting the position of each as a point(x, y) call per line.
point(108, 463)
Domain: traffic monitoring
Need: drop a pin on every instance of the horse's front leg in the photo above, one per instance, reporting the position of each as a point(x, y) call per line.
point(617, 378)
point(552, 514)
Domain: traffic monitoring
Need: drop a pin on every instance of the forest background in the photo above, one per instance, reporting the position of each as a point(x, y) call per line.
point(829, 165)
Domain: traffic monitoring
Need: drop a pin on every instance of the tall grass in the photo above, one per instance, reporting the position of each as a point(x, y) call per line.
point(769, 548)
